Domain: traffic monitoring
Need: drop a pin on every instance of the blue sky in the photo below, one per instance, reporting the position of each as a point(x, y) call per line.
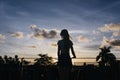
point(30, 27)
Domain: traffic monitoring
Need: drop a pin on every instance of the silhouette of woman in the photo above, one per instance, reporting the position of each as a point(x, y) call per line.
point(64, 59)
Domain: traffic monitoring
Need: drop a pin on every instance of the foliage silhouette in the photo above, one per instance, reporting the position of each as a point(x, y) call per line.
point(43, 60)
point(105, 58)
point(24, 62)
point(1, 60)
point(10, 65)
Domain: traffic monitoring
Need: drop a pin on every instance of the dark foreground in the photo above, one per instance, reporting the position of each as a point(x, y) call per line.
point(35, 72)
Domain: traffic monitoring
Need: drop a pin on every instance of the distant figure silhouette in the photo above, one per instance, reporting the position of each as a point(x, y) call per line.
point(64, 59)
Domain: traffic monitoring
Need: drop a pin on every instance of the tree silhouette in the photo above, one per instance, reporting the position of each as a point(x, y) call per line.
point(24, 62)
point(105, 57)
point(1, 60)
point(44, 60)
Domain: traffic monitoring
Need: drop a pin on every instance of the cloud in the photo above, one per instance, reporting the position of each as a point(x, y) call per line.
point(83, 39)
point(54, 44)
point(2, 36)
point(110, 27)
point(43, 33)
point(116, 34)
point(114, 42)
point(104, 42)
point(110, 42)
point(92, 47)
point(33, 26)
point(116, 48)
point(32, 47)
point(96, 32)
point(17, 35)
point(77, 31)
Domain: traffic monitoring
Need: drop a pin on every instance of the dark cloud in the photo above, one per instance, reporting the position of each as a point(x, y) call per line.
point(111, 42)
point(114, 42)
point(43, 33)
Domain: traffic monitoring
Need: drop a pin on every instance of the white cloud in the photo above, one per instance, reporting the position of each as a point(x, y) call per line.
point(2, 36)
point(77, 31)
point(83, 39)
point(96, 32)
point(116, 34)
point(110, 27)
point(104, 42)
point(17, 35)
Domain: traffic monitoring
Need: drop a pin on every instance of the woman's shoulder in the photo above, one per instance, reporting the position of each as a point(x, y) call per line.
point(62, 41)
point(59, 41)
point(71, 42)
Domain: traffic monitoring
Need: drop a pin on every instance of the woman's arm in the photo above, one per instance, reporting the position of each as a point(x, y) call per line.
point(73, 52)
point(58, 51)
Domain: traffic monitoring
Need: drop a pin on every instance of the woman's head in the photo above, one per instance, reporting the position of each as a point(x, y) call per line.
point(64, 34)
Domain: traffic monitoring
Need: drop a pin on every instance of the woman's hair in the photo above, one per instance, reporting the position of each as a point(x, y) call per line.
point(64, 33)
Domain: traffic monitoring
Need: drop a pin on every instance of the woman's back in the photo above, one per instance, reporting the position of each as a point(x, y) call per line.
point(65, 46)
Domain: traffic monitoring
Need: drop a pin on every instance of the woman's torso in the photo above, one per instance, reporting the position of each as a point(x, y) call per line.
point(64, 46)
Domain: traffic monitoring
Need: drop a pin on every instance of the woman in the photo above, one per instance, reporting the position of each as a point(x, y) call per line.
point(64, 59)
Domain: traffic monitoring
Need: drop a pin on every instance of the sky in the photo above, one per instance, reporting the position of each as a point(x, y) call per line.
point(30, 27)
